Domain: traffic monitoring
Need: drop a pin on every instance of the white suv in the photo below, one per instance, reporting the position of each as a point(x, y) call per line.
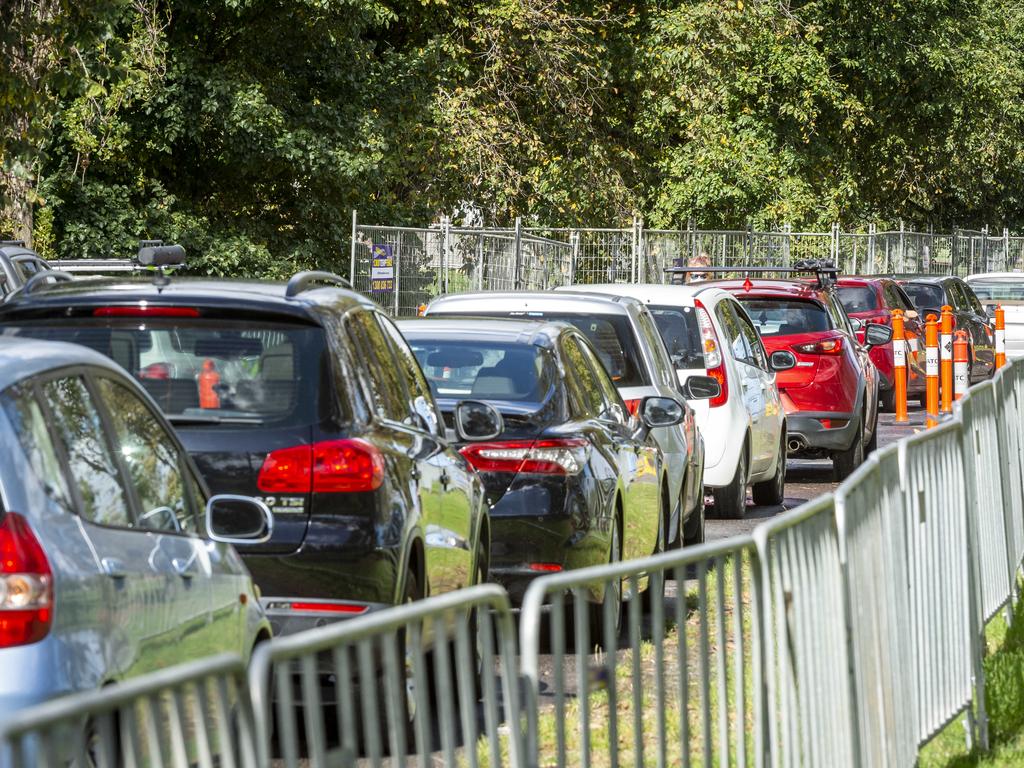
point(707, 332)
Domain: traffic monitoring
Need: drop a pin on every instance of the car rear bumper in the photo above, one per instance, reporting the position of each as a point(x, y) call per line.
point(806, 427)
point(285, 620)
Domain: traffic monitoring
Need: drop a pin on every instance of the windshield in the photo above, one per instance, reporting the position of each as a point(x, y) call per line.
point(208, 371)
point(857, 298)
point(925, 295)
point(455, 370)
point(785, 317)
point(1001, 290)
point(681, 333)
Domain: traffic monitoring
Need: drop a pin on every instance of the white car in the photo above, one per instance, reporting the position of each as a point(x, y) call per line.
point(1005, 289)
point(707, 332)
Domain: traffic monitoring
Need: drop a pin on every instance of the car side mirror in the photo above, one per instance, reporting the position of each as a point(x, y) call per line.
point(876, 334)
point(781, 360)
point(701, 388)
point(857, 324)
point(661, 412)
point(234, 519)
point(476, 420)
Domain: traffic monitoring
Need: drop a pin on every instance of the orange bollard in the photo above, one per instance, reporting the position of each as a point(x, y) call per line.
point(208, 379)
point(899, 361)
point(1000, 336)
point(961, 368)
point(931, 370)
point(946, 359)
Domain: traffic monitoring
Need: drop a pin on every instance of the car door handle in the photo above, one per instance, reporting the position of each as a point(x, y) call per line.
point(445, 480)
point(113, 568)
point(182, 567)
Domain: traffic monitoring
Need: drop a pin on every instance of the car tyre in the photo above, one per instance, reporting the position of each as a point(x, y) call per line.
point(731, 500)
point(772, 493)
point(693, 532)
point(845, 463)
point(887, 401)
point(596, 615)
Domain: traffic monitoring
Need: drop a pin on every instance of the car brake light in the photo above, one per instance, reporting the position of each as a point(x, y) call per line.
point(824, 347)
point(144, 310)
point(633, 406)
point(314, 607)
point(713, 358)
point(333, 466)
point(545, 567)
point(544, 457)
point(26, 584)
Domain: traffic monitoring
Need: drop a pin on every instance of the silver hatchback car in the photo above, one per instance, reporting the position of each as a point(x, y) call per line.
point(113, 560)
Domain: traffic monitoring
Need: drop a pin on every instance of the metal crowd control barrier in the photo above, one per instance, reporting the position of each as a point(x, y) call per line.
point(683, 698)
point(362, 688)
point(195, 714)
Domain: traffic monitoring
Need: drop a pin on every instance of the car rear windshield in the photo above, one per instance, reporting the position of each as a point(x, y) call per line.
point(785, 317)
point(680, 331)
point(509, 372)
point(925, 295)
point(1001, 290)
point(209, 371)
point(858, 298)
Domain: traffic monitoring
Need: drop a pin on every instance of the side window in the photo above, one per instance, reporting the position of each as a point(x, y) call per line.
point(422, 403)
point(588, 390)
point(904, 301)
point(758, 358)
point(839, 317)
point(652, 338)
point(734, 337)
point(76, 421)
point(153, 461)
point(613, 408)
point(388, 398)
point(29, 424)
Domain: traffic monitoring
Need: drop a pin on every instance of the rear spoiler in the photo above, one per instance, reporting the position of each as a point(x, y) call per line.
point(825, 272)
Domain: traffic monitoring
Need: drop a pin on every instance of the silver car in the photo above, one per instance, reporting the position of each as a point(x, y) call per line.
point(625, 336)
point(114, 560)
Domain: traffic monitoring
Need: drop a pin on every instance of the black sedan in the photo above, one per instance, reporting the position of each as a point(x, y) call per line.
point(930, 293)
point(573, 480)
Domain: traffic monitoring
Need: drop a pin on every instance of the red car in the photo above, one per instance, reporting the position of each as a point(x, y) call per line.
point(831, 394)
point(872, 300)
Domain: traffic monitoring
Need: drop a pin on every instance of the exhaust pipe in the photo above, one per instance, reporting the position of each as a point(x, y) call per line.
point(795, 444)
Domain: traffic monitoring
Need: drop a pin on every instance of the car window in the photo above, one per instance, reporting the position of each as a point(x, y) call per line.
point(757, 357)
point(680, 331)
point(905, 302)
point(993, 291)
point(587, 386)
point(969, 301)
point(387, 393)
point(858, 298)
point(613, 408)
point(839, 317)
point(153, 461)
point(735, 339)
point(663, 365)
point(422, 398)
point(925, 295)
point(785, 317)
point(26, 416)
point(103, 498)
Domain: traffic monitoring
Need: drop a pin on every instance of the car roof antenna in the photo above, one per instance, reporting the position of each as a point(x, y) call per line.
point(154, 255)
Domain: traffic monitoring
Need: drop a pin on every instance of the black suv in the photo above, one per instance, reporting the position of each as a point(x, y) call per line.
point(308, 397)
point(17, 265)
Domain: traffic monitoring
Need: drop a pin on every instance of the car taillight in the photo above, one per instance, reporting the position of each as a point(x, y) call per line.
point(317, 607)
point(544, 457)
point(824, 347)
point(713, 358)
point(26, 584)
point(145, 310)
point(332, 466)
point(633, 406)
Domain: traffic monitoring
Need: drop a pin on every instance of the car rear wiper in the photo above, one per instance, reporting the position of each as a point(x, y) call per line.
point(211, 418)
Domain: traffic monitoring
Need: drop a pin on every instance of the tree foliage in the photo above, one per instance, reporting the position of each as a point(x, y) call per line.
point(249, 129)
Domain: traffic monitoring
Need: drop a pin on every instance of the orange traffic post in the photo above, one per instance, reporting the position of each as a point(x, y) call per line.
point(946, 359)
point(961, 369)
point(1000, 336)
point(208, 379)
point(931, 370)
point(899, 362)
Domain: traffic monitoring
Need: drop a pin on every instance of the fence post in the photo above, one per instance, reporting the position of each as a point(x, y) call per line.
point(1006, 250)
point(574, 253)
point(835, 243)
point(480, 266)
point(985, 256)
point(516, 281)
point(691, 234)
point(903, 265)
point(442, 278)
point(872, 266)
point(634, 255)
point(787, 231)
point(396, 265)
point(352, 266)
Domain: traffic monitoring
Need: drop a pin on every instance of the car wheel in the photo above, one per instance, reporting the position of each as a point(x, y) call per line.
point(887, 401)
point(872, 445)
point(731, 500)
point(844, 463)
point(771, 493)
point(613, 595)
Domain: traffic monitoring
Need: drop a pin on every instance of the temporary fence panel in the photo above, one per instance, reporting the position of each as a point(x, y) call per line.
point(195, 714)
point(807, 666)
point(1009, 390)
point(873, 540)
point(403, 682)
point(671, 691)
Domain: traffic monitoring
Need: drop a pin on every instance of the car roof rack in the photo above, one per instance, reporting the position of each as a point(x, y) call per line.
point(824, 271)
point(44, 278)
point(12, 244)
point(304, 281)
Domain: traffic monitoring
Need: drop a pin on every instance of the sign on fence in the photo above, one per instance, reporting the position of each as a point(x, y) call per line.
point(382, 268)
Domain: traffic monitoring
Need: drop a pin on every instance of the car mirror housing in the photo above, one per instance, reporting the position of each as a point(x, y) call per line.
point(661, 412)
point(701, 388)
point(476, 420)
point(781, 360)
point(876, 334)
point(234, 519)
